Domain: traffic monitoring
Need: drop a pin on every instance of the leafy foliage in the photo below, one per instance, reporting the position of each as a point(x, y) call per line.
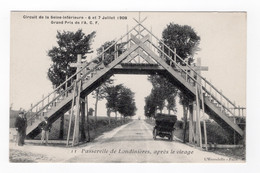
point(101, 91)
point(109, 55)
point(150, 106)
point(70, 44)
point(90, 111)
point(163, 90)
point(126, 102)
point(183, 38)
point(112, 97)
point(121, 99)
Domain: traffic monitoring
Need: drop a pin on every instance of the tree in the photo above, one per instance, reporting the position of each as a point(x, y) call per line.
point(99, 93)
point(158, 98)
point(120, 99)
point(183, 38)
point(163, 90)
point(185, 101)
point(171, 106)
point(112, 93)
point(186, 42)
point(70, 44)
point(109, 55)
point(150, 106)
point(126, 103)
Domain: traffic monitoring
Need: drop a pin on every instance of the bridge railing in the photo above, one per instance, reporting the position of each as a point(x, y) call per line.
point(177, 63)
point(38, 110)
point(64, 89)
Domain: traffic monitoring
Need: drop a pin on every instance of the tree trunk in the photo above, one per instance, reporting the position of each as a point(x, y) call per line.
point(96, 105)
point(185, 111)
point(108, 114)
point(61, 127)
point(161, 111)
point(169, 111)
point(116, 115)
point(82, 128)
point(86, 110)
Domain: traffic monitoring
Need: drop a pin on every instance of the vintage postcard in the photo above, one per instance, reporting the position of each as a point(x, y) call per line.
point(131, 87)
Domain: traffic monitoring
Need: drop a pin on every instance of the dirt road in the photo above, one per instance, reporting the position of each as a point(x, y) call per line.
point(132, 142)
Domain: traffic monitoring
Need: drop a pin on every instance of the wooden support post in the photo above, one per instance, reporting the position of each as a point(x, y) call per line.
point(61, 127)
point(71, 113)
point(210, 92)
point(234, 108)
point(54, 96)
point(191, 123)
point(198, 127)
point(66, 86)
point(163, 52)
point(116, 52)
point(175, 52)
point(199, 72)
point(75, 139)
point(103, 57)
point(192, 75)
point(86, 110)
point(82, 127)
point(204, 122)
point(221, 96)
point(200, 92)
point(234, 132)
point(185, 113)
point(42, 105)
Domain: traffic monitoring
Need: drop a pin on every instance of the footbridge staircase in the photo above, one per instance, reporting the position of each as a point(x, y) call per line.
point(143, 53)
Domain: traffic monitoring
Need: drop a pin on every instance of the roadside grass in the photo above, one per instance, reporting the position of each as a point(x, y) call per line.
point(215, 134)
point(95, 129)
point(18, 156)
point(102, 126)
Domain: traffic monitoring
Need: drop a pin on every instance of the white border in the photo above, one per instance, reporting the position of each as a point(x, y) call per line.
point(253, 84)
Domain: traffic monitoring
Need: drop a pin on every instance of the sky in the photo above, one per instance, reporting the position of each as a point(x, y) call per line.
point(222, 49)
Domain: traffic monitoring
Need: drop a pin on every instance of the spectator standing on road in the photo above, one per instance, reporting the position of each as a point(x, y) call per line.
point(46, 128)
point(24, 128)
point(20, 125)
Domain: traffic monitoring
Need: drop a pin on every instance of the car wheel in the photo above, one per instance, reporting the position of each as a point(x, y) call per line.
point(171, 139)
point(154, 134)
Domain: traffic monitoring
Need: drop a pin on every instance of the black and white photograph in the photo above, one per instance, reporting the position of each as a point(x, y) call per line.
point(128, 87)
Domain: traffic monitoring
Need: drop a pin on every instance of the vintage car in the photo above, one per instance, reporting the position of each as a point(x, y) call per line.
point(164, 126)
